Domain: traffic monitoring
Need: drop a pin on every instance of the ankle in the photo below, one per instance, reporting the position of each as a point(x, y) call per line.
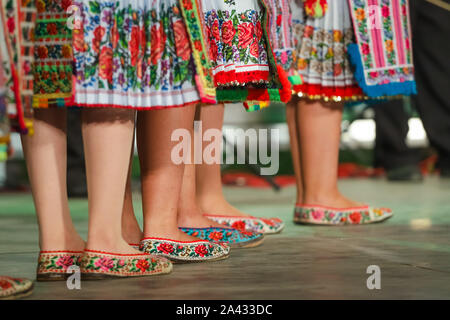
point(320, 197)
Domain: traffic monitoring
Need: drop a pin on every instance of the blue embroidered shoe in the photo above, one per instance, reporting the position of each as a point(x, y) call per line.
point(233, 237)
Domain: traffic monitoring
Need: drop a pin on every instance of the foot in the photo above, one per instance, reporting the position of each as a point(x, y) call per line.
point(221, 207)
point(196, 220)
point(175, 235)
point(115, 246)
point(132, 235)
point(72, 242)
point(337, 201)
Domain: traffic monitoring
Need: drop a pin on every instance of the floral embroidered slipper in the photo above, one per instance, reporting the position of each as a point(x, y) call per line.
point(14, 288)
point(253, 224)
point(53, 265)
point(98, 265)
point(320, 215)
point(235, 238)
point(186, 251)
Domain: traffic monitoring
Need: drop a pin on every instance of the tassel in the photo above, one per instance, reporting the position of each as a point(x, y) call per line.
point(286, 90)
point(316, 8)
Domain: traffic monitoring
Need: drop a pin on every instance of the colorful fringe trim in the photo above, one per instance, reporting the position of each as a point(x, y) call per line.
point(205, 84)
point(383, 53)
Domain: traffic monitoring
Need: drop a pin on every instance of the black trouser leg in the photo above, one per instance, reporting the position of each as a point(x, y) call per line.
point(392, 129)
point(76, 171)
point(431, 34)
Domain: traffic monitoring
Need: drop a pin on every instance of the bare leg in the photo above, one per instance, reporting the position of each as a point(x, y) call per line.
point(46, 157)
point(161, 177)
point(291, 117)
point(319, 126)
point(189, 213)
point(108, 136)
point(131, 231)
point(210, 196)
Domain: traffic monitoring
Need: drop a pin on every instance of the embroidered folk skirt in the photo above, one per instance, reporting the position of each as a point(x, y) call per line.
point(16, 37)
point(53, 55)
point(237, 46)
point(133, 54)
point(320, 50)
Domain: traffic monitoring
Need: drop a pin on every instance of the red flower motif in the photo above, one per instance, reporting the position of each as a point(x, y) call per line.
point(65, 4)
point(309, 31)
point(42, 52)
point(228, 32)
point(166, 248)
point(182, 44)
point(268, 222)
point(143, 265)
point(11, 25)
point(5, 284)
point(115, 35)
point(201, 250)
point(134, 45)
point(105, 64)
point(215, 236)
point(355, 217)
point(279, 19)
point(254, 49)
point(52, 29)
point(99, 32)
point(158, 42)
point(245, 34)
point(65, 262)
point(365, 49)
point(258, 30)
point(187, 4)
point(385, 11)
point(213, 50)
point(240, 225)
point(198, 45)
point(337, 69)
point(215, 32)
point(78, 40)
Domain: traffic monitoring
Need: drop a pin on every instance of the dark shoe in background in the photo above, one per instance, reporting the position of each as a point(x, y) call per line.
point(410, 173)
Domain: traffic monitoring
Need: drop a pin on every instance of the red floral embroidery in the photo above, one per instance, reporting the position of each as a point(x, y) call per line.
point(158, 40)
point(201, 250)
point(355, 217)
point(228, 32)
point(240, 225)
point(105, 64)
point(215, 236)
point(166, 248)
point(5, 284)
point(182, 44)
point(245, 34)
point(143, 265)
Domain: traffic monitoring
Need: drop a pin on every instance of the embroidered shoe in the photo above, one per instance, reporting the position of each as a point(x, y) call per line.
point(253, 224)
point(185, 251)
point(53, 265)
point(334, 216)
point(13, 288)
point(97, 265)
point(235, 238)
